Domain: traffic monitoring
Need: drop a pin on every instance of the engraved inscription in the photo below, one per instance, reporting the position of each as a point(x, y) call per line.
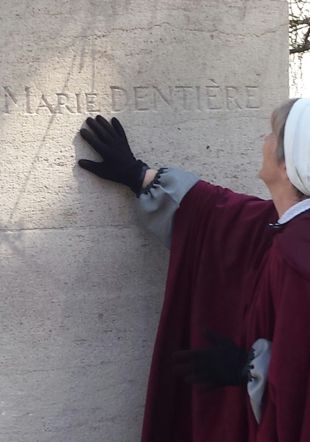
point(141, 98)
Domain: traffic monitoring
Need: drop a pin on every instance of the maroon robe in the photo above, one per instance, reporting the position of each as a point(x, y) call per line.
point(233, 273)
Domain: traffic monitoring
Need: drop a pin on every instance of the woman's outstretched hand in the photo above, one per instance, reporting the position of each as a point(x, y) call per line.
point(119, 163)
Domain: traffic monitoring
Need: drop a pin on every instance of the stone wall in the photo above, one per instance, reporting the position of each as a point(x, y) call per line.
point(82, 284)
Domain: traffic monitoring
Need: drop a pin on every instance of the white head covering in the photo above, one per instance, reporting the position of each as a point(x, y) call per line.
point(297, 145)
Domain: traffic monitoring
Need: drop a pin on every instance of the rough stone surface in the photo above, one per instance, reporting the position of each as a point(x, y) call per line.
point(82, 284)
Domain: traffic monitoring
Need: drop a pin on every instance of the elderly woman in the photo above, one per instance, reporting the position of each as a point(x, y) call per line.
point(231, 361)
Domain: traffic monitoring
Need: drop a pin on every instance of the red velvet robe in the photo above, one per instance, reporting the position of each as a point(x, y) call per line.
point(230, 271)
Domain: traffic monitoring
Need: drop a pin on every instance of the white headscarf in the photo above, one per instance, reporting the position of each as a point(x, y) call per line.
point(297, 145)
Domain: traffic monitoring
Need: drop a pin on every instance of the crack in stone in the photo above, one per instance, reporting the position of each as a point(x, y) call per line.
point(208, 31)
point(93, 226)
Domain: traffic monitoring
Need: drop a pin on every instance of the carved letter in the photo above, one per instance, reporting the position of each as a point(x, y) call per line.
point(44, 104)
point(8, 95)
point(62, 102)
point(232, 97)
point(214, 97)
point(253, 97)
point(160, 94)
point(142, 93)
point(91, 98)
point(184, 89)
point(27, 92)
point(78, 103)
point(117, 92)
point(198, 93)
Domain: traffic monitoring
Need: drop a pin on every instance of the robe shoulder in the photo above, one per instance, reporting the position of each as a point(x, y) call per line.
point(293, 243)
point(231, 227)
point(234, 206)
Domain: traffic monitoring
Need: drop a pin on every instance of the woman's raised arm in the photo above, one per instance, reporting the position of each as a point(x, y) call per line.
point(158, 192)
point(161, 194)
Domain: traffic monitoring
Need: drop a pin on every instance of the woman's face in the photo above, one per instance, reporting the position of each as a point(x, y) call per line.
point(271, 168)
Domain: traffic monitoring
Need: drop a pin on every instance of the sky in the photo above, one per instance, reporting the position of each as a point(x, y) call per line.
point(302, 88)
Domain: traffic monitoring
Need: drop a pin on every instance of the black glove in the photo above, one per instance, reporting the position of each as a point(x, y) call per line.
point(222, 364)
point(110, 141)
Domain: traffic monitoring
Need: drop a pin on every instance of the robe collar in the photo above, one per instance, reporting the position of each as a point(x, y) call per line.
point(292, 212)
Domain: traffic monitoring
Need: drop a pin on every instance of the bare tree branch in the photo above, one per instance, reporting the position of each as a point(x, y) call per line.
point(301, 48)
point(299, 26)
point(297, 21)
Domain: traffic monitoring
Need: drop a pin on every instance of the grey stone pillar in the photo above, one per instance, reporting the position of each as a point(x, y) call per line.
point(193, 83)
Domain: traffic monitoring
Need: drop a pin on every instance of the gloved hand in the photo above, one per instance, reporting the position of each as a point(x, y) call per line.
point(221, 364)
point(119, 164)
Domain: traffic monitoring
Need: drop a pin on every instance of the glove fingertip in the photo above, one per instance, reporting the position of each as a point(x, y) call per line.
point(101, 120)
point(117, 125)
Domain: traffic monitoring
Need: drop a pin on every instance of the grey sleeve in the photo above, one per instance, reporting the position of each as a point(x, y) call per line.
point(259, 372)
point(158, 202)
